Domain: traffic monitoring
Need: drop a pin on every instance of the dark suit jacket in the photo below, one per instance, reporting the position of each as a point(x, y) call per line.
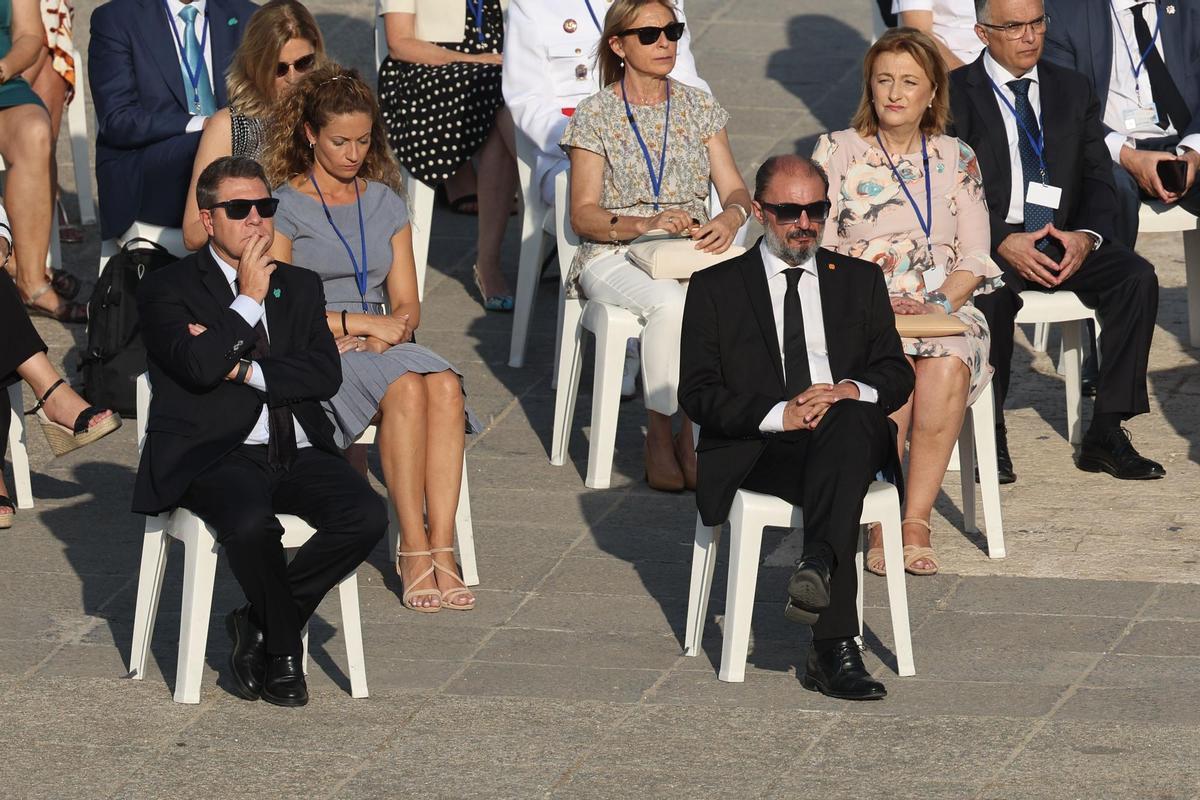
point(1084, 42)
point(1076, 159)
point(731, 374)
point(196, 416)
point(143, 155)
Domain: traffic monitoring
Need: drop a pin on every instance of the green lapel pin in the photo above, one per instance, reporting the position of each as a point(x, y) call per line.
point(232, 21)
point(278, 293)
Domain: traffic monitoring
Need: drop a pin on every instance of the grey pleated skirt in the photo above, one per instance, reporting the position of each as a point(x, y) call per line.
point(366, 378)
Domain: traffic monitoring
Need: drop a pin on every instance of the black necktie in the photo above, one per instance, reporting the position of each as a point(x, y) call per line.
point(1166, 94)
point(795, 349)
point(281, 430)
point(1036, 216)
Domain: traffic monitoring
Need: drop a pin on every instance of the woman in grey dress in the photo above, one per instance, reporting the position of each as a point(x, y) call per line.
point(282, 42)
point(341, 215)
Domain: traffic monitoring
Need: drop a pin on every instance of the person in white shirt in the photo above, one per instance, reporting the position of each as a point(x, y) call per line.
point(1139, 58)
point(951, 23)
point(550, 65)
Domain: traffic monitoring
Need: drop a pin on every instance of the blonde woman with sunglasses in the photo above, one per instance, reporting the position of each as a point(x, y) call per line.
point(282, 43)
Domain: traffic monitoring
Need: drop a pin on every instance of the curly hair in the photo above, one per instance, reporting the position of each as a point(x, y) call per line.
point(329, 91)
point(250, 79)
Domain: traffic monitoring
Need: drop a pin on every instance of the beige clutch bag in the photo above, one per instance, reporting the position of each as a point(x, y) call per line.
point(661, 255)
point(921, 326)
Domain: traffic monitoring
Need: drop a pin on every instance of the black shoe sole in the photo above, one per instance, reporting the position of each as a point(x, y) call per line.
point(242, 690)
point(286, 702)
point(795, 613)
point(1099, 465)
point(813, 686)
point(808, 592)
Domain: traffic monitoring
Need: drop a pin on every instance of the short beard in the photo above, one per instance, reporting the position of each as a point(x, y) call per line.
point(792, 255)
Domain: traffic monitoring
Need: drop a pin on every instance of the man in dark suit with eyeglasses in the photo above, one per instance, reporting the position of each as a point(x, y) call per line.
point(790, 363)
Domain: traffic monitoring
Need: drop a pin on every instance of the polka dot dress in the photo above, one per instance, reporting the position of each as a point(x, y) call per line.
point(439, 116)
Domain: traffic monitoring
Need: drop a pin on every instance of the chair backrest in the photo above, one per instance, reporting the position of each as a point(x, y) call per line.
point(568, 240)
point(381, 48)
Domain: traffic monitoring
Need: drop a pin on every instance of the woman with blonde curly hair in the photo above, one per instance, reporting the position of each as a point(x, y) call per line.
point(281, 44)
point(910, 198)
point(341, 215)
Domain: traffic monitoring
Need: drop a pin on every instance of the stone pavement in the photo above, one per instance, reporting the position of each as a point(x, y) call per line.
point(1065, 670)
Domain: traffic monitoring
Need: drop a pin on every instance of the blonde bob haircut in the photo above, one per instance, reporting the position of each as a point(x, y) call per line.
point(327, 91)
point(620, 17)
point(250, 79)
point(925, 53)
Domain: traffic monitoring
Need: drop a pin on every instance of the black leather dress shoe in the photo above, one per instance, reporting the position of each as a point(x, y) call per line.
point(838, 671)
point(1114, 453)
point(808, 590)
point(284, 684)
point(247, 662)
point(1004, 465)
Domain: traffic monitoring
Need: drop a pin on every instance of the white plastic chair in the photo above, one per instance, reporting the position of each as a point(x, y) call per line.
point(750, 513)
point(169, 238)
point(1063, 306)
point(978, 436)
point(17, 448)
point(1157, 218)
point(537, 222)
point(78, 130)
point(199, 575)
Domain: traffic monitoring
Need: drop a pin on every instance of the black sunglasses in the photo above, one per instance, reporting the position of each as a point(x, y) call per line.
point(789, 213)
point(301, 64)
point(649, 34)
point(240, 209)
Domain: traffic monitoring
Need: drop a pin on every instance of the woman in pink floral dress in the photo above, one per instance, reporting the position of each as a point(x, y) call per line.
point(910, 199)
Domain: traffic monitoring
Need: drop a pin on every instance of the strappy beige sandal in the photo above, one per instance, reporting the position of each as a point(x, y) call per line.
point(913, 553)
point(458, 591)
point(409, 594)
point(875, 562)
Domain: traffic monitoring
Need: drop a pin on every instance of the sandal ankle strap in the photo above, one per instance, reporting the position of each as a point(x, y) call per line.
point(917, 521)
point(45, 397)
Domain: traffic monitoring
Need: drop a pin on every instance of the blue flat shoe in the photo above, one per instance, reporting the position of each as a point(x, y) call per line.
point(495, 302)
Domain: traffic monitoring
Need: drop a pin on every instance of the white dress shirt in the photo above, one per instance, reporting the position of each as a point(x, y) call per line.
point(814, 330)
point(953, 23)
point(1125, 92)
point(196, 122)
point(252, 311)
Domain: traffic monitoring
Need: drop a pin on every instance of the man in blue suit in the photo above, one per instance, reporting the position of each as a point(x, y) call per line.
point(157, 70)
point(1139, 57)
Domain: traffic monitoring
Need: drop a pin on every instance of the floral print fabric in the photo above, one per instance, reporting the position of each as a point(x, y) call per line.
point(872, 219)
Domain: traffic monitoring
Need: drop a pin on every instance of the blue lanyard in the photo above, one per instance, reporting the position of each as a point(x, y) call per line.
point(476, 9)
point(360, 270)
point(1038, 144)
point(193, 76)
point(595, 19)
point(926, 222)
point(655, 180)
point(1137, 68)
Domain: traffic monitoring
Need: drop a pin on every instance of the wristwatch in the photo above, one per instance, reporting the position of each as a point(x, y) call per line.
point(940, 299)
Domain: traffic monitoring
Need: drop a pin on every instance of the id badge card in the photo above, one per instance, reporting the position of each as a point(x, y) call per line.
point(1140, 117)
point(1041, 194)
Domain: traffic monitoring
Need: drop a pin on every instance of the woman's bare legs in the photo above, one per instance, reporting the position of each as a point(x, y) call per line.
point(497, 182)
point(445, 441)
point(52, 88)
point(462, 184)
point(402, 450)
point(25, 144)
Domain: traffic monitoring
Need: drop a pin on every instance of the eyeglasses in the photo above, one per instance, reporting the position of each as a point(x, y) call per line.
point(301, 65)
point(1015, 30)
point(789, 213)
point(650, 33)
point(240, 209)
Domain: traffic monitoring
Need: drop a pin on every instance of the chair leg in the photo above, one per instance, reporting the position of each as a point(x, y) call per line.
point(570, 365)
point(149, 590)
point(420, 198)
point(745, 543)
point(199, 574)
point(77, 127)
point(893, 558)
point(704, 561)
point(22, 480)
point(1041, 336)
point(1072, 360)
point(352, 631)
point(558, 335)
point(858, 572)
point(606, 406)
point(464, 531)
point(966, 464)
point(1191, 260)
point(532, 239)
point(304, 649)
point(984, 412)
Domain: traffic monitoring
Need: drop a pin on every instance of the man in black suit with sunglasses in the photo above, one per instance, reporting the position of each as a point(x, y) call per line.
point(790, 363)
point(240, 356)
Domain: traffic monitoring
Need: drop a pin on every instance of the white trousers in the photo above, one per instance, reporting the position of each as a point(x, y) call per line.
point(611, 279)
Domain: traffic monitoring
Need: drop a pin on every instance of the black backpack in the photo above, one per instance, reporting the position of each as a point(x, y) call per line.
point(115, 353)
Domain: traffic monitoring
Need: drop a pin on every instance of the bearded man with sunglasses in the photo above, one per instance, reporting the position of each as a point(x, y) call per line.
point(240, 357)
point(790, 363)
